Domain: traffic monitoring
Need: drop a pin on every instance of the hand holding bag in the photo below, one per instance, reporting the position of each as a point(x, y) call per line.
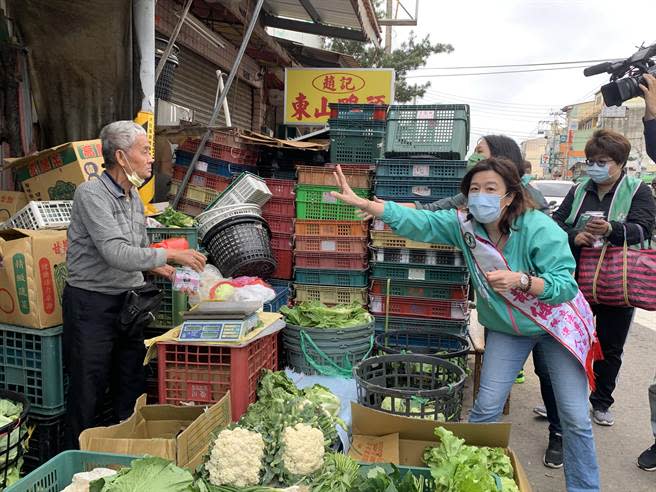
point(618, 275)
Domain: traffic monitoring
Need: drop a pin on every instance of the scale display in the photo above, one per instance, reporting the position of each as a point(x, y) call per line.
point(217, 330)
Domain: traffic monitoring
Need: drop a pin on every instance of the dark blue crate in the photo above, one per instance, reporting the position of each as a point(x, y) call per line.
point(214, 166)
point(281, 299)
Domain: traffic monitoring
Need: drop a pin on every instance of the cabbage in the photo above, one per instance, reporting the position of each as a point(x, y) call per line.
point(9, 412)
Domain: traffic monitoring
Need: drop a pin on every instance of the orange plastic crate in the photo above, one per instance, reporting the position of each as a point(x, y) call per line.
point(357, 176)
point(328, 244)
point(331, 228)
point(202, 373)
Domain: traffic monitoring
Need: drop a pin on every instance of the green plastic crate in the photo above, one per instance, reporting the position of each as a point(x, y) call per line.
point(316, 203)
point(438, 130)
point(418, 256)
point(157, 234)
point(422, 273)
point(174, 304)
point(452, 327)
point(331, 277)
point(341, 124)
point(409, 288)
point(420, 168)
point(356, 146)
point(31, 363)
point(57, 474)
point(417, 187)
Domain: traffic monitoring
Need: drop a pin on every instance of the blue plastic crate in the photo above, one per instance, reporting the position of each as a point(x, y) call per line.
point(338, 278)
point(452, 327)
point(214, 166)
point(420, 168)
point(418, 188)
point(281, 299)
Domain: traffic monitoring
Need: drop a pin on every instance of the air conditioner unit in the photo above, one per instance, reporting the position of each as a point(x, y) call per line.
point(169, 114)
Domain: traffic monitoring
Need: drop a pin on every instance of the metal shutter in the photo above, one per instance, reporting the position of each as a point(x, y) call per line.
point(194, 87)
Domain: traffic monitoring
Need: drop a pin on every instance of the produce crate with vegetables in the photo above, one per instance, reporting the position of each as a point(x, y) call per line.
point(14, 435)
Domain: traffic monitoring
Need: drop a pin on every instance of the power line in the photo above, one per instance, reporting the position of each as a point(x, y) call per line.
point(493, 73)
point(499, 109)
point(492, 101)
point(517, 65)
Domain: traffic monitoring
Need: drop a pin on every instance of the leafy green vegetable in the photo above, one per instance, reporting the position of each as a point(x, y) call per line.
point(10, 411)
point(147, 474)
point(173, 218)
point(388, 478)
point(456, 466)
point(340, 473)
point(314, 314)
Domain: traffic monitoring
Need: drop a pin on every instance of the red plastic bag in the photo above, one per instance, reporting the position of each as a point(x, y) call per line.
point(178, 243)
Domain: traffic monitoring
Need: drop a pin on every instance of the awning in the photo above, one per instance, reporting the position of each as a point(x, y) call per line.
point(308, 56)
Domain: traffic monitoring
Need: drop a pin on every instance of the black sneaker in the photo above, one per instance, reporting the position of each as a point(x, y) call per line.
point(647, 460)
point(553, 456)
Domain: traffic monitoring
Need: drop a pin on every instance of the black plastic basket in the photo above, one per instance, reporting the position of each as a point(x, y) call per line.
point(241, 246)
point(13, 437)
point(46, 441)
point(445, 346)
point(411, 385)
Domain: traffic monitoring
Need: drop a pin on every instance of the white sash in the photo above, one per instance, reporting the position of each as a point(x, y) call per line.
point(571, 323)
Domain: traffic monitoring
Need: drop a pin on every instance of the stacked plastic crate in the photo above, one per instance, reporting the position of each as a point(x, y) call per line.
point(331, 241)
point(223, 156)
point(417, 285)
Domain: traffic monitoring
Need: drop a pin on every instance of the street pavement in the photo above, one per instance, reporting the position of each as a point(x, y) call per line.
point(618, 446)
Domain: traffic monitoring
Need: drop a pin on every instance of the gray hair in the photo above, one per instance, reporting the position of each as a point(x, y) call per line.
point(119, 135)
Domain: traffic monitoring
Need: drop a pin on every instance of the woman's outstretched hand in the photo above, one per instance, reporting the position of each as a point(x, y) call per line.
point(346, 194)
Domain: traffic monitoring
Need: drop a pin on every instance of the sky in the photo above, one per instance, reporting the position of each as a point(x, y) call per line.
point(502, 32)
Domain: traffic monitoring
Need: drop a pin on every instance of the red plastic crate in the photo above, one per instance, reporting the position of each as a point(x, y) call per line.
point(281, 225)
point(236, 155)
point(202, 374)
point(333, 261)
point(282, 241)
point(281, 188)
point(280, 207)
point(190, 207)
point(328, 244)
point(201, 178)
point(418, 308)
point(285, 260)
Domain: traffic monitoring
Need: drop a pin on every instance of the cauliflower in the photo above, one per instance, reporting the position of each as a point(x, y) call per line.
point(303, 449)
point(236, 458)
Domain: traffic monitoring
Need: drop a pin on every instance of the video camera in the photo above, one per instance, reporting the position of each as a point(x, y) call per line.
point(622, 89)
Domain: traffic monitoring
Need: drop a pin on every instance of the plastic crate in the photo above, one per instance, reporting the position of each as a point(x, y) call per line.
point(312, 244)
point(418, 257)
point(281, 188)
point(439, 130)
point(454, 327)
point(55, 214)
point(316, 203)
point(31, 364)
point(158, 234)
point(421, 188)
point(356, 176)
point(195, 193)
point(326, 277)
point(335, 261)
point(282, 241)
point(420, 168)
point(380, 305)
point(280, 225)
point(284, 264)
point(215, 150)
point(358, 112)
point(280, 207)
point(339, 124)
point(213, 166)
point(246, 188)
point(356, 146)
point(422, 273)
point(418, 289)
point(331, 228)
point(201, 179)
point(281, 299)
point(330, 295)
point(189, 207)
point(202, 374)
point(46, 441)
point(57, 474)
point(388, 239)
point(174, 304)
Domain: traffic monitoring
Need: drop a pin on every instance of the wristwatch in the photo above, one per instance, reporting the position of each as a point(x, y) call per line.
point(524, 282)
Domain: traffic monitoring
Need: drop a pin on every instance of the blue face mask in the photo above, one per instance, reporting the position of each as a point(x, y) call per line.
point(485, 207)
point(598, 174)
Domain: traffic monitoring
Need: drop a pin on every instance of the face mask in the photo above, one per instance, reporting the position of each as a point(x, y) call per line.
point(485, 207)
point(598, 174)
point(134, 179)
point(475, 158)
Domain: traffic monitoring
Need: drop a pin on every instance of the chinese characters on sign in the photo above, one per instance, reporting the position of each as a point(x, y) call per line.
point(309, 91)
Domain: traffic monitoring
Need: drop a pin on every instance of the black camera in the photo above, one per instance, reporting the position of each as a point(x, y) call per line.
point(626, 75)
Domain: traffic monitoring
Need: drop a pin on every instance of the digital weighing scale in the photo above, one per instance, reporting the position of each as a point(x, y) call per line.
point(219, 322)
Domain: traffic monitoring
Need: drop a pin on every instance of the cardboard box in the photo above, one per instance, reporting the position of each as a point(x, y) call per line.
point(180, 434)
point(10, 203)
point(60, 183)
point(32, 277)
point(386, 438)
point(83, 152)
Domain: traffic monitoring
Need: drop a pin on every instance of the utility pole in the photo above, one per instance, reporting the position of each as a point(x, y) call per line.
point(388, 29)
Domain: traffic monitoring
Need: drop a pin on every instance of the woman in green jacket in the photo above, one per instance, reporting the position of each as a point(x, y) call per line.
point(522, 270)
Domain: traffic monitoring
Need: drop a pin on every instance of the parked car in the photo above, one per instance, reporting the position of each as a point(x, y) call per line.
point(553, 190)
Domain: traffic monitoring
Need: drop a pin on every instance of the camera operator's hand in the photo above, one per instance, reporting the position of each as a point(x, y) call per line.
point(650, 96)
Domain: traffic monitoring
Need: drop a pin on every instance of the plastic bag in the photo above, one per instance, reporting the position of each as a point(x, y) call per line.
point(242, 289)
point(208, 278)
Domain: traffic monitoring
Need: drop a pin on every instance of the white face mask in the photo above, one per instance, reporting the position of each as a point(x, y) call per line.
point(134, 179)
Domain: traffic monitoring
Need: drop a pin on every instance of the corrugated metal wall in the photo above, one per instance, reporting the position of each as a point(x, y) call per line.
point(194, 86)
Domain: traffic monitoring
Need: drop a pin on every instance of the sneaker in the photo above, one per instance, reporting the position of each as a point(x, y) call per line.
point(520, 377)
point(553, 456)
point(540, 410)
point(603, 417)
point(647, 460)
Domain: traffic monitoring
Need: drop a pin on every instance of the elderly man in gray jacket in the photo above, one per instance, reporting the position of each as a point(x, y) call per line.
point(107, 253)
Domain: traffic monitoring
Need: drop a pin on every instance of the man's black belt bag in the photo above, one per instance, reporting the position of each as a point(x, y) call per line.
point(139, 308)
